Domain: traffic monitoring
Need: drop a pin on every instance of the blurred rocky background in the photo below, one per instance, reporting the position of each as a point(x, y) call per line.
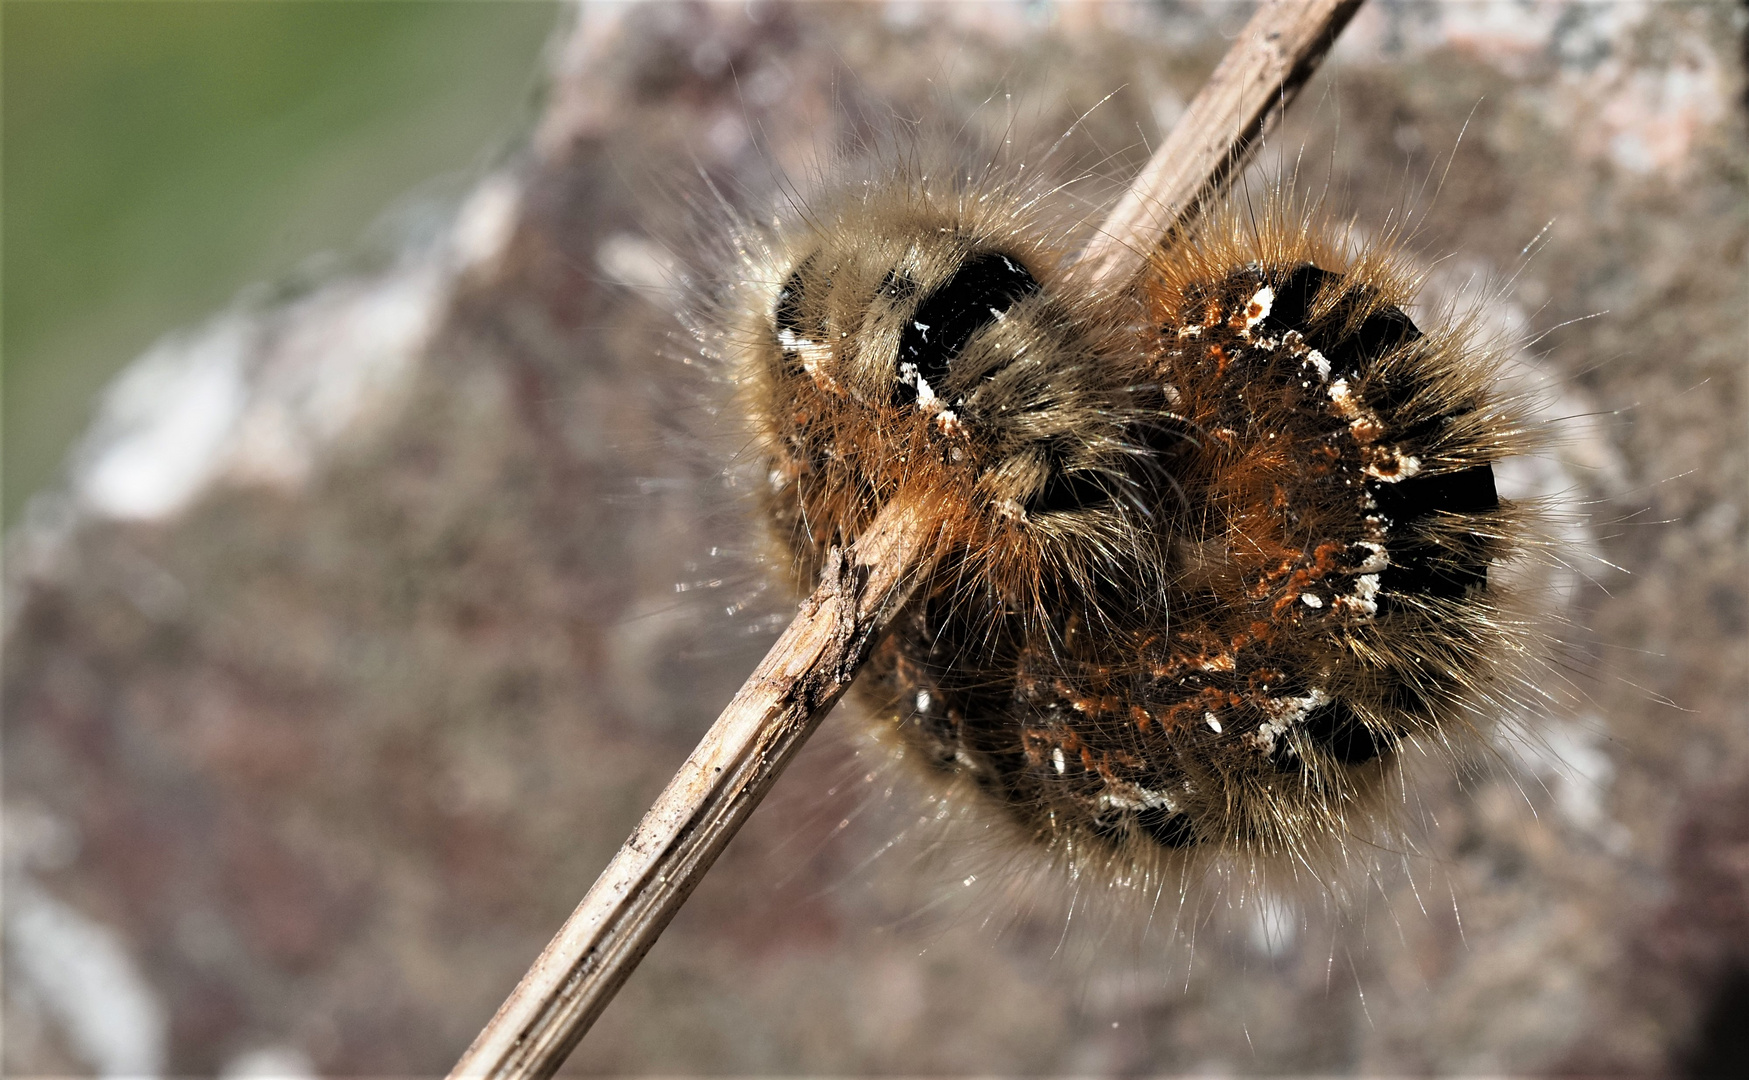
point(373, 610)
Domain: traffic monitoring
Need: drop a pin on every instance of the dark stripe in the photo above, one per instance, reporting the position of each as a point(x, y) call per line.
point(1291, 309)
point(788, 314)
point(985, 286)
point(1424, 568)
point(1353, 353)
point(1168, 827)
point(1064, 489)
point(1334, 729)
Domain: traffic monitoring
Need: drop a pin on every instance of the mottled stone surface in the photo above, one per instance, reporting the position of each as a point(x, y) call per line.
point(321, 736)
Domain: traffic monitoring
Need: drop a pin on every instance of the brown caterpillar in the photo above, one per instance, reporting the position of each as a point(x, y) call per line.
point(1215, 545)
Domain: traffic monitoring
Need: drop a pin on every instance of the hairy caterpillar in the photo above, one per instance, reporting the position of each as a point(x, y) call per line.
point(1215, 543)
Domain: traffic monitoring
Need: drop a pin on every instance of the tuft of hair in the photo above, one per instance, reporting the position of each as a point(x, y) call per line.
point(1218, 547)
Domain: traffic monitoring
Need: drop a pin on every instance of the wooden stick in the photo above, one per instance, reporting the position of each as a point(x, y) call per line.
point(778, 707)
point(1260, 75)
point(815, 660)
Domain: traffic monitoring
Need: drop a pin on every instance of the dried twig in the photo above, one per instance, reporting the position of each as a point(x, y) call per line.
point(812, 664)
point(1277, 52)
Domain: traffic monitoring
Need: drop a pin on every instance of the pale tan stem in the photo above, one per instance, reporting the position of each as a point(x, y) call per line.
point(1264, 70)
point(779, 706)
point(815, 660)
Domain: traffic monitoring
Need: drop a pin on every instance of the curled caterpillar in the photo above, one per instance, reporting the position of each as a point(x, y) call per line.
point(1214, 544)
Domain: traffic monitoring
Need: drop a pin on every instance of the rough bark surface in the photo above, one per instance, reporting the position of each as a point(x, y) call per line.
point(327, 746)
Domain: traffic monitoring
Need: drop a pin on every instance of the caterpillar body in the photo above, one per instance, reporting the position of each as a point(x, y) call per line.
point(1214, 544)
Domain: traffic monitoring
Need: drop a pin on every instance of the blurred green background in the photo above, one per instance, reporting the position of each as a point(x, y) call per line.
point(161, 154)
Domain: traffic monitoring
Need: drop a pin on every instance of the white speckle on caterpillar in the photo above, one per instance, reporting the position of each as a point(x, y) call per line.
point(1257, 309)
point(815, 357)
